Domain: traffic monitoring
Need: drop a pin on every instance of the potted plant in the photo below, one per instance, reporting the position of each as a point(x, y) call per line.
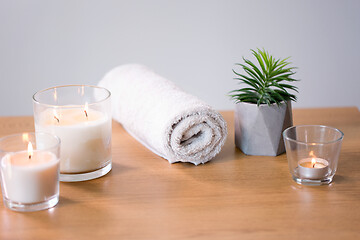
point(263, 105)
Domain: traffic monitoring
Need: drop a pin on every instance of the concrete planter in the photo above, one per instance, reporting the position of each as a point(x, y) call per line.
point(258, 130)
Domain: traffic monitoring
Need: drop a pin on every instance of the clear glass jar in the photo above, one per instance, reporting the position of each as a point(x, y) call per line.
point(30, 171)
point(80, 116)
point(313, 152)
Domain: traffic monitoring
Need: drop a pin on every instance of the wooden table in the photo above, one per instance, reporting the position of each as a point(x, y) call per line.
point(232, 197)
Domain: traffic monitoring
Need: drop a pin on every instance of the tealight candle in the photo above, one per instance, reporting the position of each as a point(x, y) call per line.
point(81, 117)
point(30, 178)
point(313, 168)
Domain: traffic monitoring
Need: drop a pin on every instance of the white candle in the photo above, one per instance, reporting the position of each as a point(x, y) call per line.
point(313, 168)
point(32, 179)
point(85, 136)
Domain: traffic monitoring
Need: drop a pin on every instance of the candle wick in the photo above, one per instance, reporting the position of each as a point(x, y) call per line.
point(86, 114)
point(57, 119)
point(29, 157)
point(314, 165)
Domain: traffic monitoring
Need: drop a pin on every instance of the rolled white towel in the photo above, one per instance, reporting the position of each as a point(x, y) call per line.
point(171, 123)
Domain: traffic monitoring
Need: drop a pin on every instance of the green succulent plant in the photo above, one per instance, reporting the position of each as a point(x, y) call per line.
point(267, 83)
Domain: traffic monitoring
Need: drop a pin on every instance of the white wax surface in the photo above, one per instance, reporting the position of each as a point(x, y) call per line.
point(85, 141)
point(30, 180)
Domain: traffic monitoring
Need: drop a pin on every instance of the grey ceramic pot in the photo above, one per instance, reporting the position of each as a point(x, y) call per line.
point(258, 129)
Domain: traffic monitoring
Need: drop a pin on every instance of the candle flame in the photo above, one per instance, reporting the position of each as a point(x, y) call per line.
point(30, 150)
point(313, 162)
point(56, 116)
point(25, 137)
point(86, 108)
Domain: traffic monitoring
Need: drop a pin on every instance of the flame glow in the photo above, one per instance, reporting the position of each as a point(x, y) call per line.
point(25, 137)
point(56, 116)
point(86, 108)
point(30, 150)
point(313, 162)
point(311, 154)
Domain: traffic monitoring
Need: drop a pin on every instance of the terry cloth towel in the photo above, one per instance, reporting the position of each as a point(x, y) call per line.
point(171, 123)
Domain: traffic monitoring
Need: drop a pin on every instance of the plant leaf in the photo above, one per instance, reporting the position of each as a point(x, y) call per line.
point(268, 80)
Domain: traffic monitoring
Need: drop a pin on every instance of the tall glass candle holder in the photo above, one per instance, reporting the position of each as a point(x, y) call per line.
point(80, 116)
point(313, 152)
point(30, 171)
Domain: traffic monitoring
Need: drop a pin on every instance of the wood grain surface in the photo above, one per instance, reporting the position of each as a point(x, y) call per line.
point(232, 197)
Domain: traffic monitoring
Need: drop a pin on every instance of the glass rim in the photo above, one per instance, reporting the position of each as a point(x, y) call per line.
point(313, 143)
point(58, 140)
point(71, 85)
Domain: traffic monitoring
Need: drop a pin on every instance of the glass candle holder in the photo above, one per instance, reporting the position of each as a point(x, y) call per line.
point(30, 171)
point(312, 152)
point(80, 116)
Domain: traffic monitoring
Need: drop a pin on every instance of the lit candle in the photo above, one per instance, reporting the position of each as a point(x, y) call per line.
point(313, 167)
point(30, 176)
point(80, 116)
point(86, 109)
point(56, 117)
point(85, 136)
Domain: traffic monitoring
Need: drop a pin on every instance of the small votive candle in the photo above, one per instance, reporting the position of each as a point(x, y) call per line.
point(313, 168)
point(30, 171)
point(312, 152)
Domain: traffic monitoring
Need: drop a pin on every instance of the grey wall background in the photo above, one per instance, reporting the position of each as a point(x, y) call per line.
point(193, 43)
